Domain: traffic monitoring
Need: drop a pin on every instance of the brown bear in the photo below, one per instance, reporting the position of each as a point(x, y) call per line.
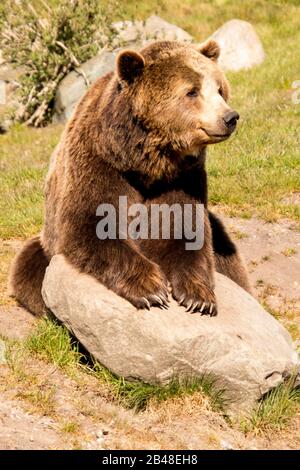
point(139, 132)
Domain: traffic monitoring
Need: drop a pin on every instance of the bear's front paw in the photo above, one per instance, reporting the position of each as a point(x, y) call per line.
point(194, 294)
point(149, 289)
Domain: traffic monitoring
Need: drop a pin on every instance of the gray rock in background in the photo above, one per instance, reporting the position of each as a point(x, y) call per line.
point(244, 348)
point(74, 85)
point(241, 48)
point(142, 32)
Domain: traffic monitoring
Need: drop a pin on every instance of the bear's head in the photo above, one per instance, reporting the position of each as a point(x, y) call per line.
point(179, 92)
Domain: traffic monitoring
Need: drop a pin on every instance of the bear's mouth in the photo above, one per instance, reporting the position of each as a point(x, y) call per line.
point(217, 136)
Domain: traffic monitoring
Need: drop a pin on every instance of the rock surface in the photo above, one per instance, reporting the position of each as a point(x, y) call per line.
point(153, 29)
point(241, 48)
point(244, 348)
point(75, 84)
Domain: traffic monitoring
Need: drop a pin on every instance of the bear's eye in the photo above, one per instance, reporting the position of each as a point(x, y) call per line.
point(220, 91)
point(194, 92)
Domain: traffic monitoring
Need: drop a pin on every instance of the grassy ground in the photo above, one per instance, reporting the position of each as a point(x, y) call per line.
point(24, 157)
point(50, 345)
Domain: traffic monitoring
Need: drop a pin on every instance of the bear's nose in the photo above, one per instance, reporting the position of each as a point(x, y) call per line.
point(230, 119)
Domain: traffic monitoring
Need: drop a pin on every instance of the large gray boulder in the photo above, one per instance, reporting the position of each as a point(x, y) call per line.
point(153, 29)
point(241, 48)
point(75, 84)
point(244, 348)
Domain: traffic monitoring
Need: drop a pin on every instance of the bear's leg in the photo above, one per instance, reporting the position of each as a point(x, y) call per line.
point(227, 258)
point(27, 276)
point(116, 263)
point(190, 272)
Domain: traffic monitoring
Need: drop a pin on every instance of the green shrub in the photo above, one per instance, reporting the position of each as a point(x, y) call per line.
point(49, 43)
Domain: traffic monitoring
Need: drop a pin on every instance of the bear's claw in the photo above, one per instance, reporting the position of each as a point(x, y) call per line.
point(205, 308)
point(152, 300)
point(196, 296)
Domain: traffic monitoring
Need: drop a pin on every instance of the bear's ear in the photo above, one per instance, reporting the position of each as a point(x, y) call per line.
point(210, 49)
point(130, 65)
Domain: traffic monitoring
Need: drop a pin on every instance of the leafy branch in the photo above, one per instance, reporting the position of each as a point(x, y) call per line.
point(48, 44)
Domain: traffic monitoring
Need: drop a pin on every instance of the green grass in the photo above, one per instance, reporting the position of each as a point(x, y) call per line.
point(69, 427)
point(24, 159)
point(248, 175)
point(27, 385)
point(138, 395)
point(276, 409)
point(52, 342)
point(6, 255)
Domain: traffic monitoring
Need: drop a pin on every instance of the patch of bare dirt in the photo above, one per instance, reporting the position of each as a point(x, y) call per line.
point(22, 430)
point(16, 322)
point(272, 254)
point(293, 198)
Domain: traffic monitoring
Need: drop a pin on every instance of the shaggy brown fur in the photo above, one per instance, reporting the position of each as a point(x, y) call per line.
point(141, 132)
point(27, 276)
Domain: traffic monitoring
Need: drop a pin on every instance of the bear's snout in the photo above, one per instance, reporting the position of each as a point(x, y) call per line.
point(230, 119)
